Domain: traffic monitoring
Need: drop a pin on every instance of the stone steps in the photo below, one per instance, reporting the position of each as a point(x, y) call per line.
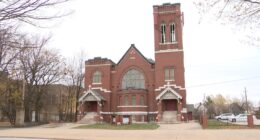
point(169, 117)
point(89, 118)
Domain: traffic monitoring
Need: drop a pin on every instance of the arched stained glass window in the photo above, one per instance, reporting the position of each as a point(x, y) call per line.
point(133, 79)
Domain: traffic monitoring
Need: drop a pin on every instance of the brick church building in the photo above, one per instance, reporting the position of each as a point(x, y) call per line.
point(137, 89)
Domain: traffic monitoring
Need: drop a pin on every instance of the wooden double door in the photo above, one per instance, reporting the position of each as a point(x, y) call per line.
point(91, 106)
point(170, 105)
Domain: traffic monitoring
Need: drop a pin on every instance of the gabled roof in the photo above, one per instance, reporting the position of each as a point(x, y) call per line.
point(93, 93)
point(168, 90)
point(133, 46)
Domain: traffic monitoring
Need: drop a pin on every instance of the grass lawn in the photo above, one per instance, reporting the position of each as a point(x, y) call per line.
point(214, 124)
point(150, 126)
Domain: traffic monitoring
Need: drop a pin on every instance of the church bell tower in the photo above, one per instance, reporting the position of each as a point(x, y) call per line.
point(169, 57)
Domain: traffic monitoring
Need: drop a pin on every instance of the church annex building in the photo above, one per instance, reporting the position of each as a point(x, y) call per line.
point(137, 89)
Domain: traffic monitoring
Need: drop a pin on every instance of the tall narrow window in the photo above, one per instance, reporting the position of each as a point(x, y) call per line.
point(163, 33)
point(133, 100)
point(96, 77)
point(126, 100)
point(141, 100)
point(119, 100)
point(169, 74)
point(172, 28)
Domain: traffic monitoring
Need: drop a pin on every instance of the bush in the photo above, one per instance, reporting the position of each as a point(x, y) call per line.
point(257, 114)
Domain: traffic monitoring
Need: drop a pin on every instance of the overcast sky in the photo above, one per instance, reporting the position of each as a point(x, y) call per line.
point(217, 59)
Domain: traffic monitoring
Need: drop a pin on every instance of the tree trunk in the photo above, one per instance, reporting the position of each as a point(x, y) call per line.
point(27, 114)
point(77, 104)
point(76, 112)
point(71, 112)
point(36, 115)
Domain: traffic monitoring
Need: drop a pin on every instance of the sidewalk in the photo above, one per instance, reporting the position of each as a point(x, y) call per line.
point(185, 131)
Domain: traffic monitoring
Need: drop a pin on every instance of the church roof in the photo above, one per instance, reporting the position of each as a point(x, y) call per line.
point(151, 61)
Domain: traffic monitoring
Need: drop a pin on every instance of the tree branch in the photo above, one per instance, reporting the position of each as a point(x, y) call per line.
point(254, 2)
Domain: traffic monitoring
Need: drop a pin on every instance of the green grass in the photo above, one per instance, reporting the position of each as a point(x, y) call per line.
point(214, 124)
point(150, 126)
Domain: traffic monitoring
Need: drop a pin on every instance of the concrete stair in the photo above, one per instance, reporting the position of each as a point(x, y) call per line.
point(169, 117)
point(89, 118)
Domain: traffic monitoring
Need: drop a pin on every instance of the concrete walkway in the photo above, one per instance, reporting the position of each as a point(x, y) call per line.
point(184, 131)
point(180, 126)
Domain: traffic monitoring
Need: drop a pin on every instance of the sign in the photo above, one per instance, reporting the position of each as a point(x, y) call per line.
point(125, 120)
point(184, 110)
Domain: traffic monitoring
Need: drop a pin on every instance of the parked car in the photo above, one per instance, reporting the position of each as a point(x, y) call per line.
point(225, 116)
point(240, 118)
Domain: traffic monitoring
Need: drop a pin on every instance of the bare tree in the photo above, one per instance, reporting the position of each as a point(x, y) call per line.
point(30, 11)
point(10, 97)
point(73, 78)
point(235, 10)
point(10, 85)
point(219, 104)
point(210, 105)
point(41, 67)
point(241, 15)
point(10, 47)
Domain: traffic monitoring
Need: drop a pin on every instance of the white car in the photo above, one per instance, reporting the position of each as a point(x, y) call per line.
point(225, 116)
point(240, 118)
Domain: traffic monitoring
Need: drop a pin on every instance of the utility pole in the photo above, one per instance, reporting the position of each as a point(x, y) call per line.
point(246, 101)
point(204, 109)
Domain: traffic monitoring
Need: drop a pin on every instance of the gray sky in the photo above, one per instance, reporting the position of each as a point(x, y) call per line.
point(217, 59)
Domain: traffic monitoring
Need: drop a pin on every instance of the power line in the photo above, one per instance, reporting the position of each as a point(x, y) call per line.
point(223, 82)
point(223, 62)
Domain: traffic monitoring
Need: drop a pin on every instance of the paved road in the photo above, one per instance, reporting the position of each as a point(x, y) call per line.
point(20, 139)
point(185, 131)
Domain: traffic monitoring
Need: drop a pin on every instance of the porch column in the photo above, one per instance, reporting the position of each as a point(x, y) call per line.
point(99, 107)
point(82, 108)
point(159, 115)
point(179, 105)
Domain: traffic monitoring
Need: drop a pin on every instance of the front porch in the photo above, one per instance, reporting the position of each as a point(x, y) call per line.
point(169, 104)
point(90, 107)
